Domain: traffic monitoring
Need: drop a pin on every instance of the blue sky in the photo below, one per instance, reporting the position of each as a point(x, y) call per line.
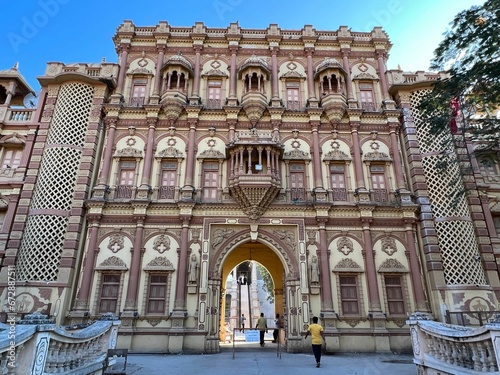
point(37, 32)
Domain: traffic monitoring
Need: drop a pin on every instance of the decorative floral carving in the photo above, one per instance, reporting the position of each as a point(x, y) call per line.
point(296, 154)
point(116, 242)
point(347, 265)
point(159, 264)
point(345, 245)
point(128, 152)
point(211, 154)
point(286, 236)
point(161, 243)
point(112, 263)
point(389, 246)
point(219, 236)
point(170, 152)
point(392, 265)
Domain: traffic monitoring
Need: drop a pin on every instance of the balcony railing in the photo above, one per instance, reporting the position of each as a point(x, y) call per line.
point(137, 101)
point(123, 192)
point(339, 195)
point(16, 115)
point(166, 192)
point(293, 105)
point(298, 194)
point(380, 195)
point(440, 348)
point(369, 107)
point(41, 347)
point(213, 104)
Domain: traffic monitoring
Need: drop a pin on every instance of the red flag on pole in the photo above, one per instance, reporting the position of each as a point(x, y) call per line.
point(455, 108)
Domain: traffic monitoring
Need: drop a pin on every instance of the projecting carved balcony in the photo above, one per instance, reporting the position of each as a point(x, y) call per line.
point(334, 105)
point(254, 103)
point(173, 102)
point(254, 179)
point(254, 193)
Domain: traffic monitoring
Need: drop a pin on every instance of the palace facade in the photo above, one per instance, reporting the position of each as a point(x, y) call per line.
point(137, 187)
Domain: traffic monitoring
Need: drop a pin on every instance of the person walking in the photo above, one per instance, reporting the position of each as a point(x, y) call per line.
point(242, 322)
point(278, 322)
point(262, 327)
point(317, 333)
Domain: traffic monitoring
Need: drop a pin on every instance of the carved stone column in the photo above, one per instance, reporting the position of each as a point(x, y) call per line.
point(102, 187)
point(130, 309)
point(81, 304)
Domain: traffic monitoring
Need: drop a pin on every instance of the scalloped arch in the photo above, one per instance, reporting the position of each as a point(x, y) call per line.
point(282, 250)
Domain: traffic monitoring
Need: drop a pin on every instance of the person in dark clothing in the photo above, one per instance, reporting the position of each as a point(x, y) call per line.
point(278, 322)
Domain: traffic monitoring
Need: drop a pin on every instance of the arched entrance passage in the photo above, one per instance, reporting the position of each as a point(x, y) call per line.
point(263, 254)
point(281, 250)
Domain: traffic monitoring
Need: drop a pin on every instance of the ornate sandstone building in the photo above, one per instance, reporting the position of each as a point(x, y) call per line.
point(139, 186)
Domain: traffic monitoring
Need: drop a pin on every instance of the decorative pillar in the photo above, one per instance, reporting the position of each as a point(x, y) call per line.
point(381, 72)
point(310, 74)
point(326, 284)
point(232, 100)
point(318, 176)
point(108, 152)
point(347, 68)
point(418, 287)
point(195, 98)
point(123, 68)
point(159, 64)
point(181, 284)
point(13, 199)
point(148, 158)
point(371, 272)
point(275, 100)
point(232, 127)
point(135, 270)
point(358, 166)
point(188, 189)
point(82, 298)
point(8, 99)
point(101, 189)
point(398, 165)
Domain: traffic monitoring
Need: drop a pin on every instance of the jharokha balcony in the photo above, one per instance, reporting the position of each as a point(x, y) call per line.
point(254, 179)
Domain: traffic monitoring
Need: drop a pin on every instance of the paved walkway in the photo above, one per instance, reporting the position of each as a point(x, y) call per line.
point(254, 360)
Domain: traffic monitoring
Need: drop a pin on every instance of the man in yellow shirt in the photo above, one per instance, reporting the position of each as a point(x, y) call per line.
point(317, 334)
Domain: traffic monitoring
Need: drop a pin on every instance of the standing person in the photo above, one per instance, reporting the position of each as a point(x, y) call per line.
point(317, 334)
point(242, 322)
point(278, 324)
point(262, 327)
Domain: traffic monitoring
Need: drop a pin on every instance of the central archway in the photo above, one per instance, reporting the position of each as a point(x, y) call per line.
point(276, 248)
point(262, 254)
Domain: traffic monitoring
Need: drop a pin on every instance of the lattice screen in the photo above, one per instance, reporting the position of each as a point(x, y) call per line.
point(43, 239)
point(457, 240)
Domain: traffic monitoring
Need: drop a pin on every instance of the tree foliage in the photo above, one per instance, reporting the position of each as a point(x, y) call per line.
point(268, 284)
point(470, 55)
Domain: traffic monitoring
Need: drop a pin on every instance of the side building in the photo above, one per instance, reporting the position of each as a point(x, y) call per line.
point(204, 148)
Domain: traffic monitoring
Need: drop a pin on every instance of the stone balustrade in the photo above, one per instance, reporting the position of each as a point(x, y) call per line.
point(398, 77)
point(16, 115)
point(440, 348)
point(36, 346)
